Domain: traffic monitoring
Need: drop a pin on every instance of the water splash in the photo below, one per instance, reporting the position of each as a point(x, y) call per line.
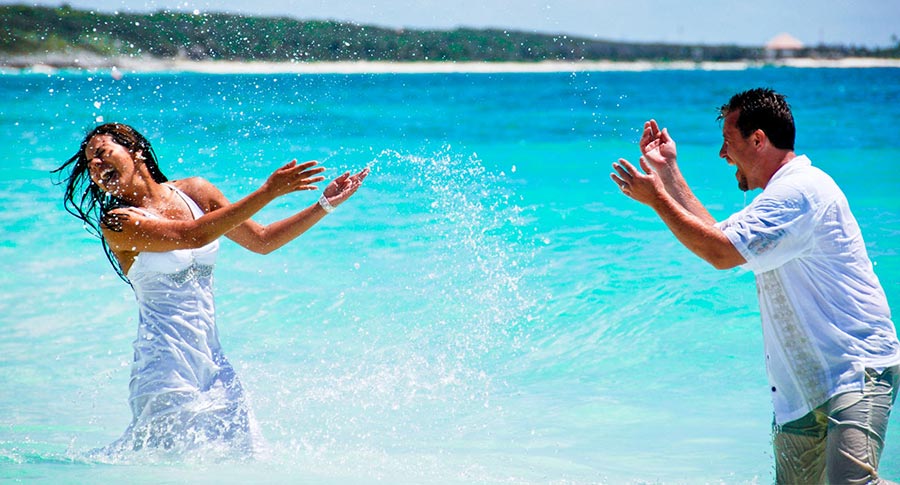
point(483, 253)
point(403, 364)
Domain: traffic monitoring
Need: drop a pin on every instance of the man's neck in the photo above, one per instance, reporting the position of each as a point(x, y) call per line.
point(776, 162)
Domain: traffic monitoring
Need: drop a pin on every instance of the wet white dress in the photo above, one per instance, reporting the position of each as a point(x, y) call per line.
point(183, 391)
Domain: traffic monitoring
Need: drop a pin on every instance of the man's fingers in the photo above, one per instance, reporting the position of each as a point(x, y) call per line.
point(654, 128)
point(627, 167)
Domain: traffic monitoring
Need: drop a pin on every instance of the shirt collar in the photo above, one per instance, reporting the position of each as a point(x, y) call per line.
point(799, 161)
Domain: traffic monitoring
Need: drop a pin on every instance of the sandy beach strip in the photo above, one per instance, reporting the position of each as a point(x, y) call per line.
point(135, 65)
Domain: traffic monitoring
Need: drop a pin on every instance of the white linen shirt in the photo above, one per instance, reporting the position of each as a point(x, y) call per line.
point(825, 316)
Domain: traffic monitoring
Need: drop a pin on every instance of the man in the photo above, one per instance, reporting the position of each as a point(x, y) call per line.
point(832, 353)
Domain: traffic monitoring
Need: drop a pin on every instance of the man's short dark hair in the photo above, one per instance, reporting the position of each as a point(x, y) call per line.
point(763, 109)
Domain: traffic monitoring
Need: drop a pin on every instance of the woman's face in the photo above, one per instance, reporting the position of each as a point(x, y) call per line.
point(110, 165)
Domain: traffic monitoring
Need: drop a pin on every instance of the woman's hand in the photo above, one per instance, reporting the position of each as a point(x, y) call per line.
point(294, 177)
point(341, 188)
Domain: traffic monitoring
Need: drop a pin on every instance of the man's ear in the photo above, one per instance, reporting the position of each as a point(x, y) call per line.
point(759, 138)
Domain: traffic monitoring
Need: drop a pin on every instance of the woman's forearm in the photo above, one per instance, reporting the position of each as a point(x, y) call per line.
point(265, 239)
point(214, 224)
point(135, 232)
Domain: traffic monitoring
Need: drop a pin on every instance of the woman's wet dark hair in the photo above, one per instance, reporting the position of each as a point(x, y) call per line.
point(85, 200)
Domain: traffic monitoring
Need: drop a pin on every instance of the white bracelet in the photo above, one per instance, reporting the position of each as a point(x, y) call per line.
point(323, 201)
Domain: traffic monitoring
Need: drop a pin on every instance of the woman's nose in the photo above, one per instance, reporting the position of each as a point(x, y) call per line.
point(93, 166)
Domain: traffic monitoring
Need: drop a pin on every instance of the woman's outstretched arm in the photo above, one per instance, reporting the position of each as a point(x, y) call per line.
point(131, 231)
point(265, 239)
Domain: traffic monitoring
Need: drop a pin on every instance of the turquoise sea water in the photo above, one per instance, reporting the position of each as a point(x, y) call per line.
point(487, 309)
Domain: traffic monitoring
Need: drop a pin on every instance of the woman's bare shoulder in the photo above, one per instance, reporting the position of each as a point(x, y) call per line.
point(202, 191)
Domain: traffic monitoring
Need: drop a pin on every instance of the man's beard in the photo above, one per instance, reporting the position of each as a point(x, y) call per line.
point(742, 181)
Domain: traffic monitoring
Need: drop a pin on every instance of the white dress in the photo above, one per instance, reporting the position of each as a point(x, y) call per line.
point(183, 391)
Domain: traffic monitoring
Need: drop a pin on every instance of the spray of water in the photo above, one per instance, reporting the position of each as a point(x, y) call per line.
point(404, 363)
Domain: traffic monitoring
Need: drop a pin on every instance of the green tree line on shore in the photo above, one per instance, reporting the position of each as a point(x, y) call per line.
point(33, 31)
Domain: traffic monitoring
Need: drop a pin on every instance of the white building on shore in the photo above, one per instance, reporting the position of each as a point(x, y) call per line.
point(783, 46)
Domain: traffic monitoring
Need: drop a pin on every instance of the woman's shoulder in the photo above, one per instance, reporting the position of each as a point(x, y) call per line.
point(190, 184)
point(202, 191)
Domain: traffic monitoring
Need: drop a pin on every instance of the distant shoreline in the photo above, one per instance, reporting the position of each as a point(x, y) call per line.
point(129, 65)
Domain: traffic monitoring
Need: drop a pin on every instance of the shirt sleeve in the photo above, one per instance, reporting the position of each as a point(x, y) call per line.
point(776, 228)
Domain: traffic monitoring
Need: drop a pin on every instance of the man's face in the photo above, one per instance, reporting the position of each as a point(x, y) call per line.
point(737, 150)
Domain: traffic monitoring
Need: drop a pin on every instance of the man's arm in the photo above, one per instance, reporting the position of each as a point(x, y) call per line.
point(696, 233)
point(660, 152)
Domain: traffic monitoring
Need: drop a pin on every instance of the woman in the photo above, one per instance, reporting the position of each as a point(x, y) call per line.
point(162, 238)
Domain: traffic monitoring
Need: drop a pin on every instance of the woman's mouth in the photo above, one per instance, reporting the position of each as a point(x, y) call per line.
point(107, 175)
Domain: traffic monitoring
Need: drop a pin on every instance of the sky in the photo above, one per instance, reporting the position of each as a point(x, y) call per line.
point(869, 23)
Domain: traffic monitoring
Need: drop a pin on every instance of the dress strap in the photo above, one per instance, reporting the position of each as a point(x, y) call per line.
point(196, 211)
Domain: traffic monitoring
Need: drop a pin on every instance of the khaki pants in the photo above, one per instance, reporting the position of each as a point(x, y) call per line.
point(840, 442)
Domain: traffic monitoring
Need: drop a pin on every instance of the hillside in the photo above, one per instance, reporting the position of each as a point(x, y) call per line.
point(40, 31)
